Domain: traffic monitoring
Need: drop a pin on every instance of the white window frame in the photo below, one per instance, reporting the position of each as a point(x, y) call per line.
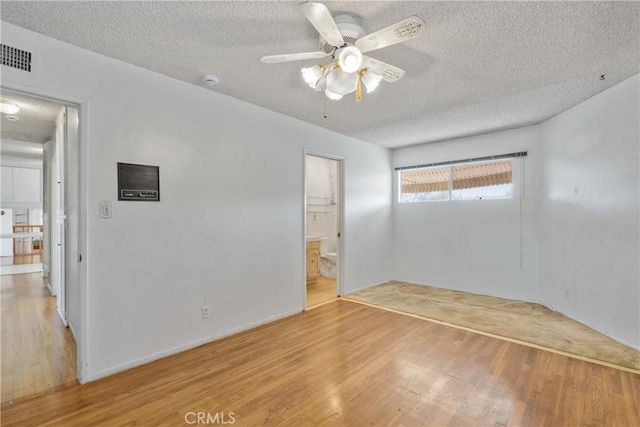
point(450, 165)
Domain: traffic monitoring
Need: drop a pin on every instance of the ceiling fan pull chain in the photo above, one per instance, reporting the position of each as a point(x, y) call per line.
point(325, 107)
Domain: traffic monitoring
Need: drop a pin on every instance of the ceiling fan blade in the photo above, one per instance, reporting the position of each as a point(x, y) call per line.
point(388, 72)
point(273, 59)
point(321, 19)
point(399, 32)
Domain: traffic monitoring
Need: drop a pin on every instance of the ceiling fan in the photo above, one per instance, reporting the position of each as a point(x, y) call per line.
point(342, 39)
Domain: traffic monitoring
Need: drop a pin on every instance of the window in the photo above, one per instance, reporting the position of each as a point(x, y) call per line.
point(466, 181)
point(424, 185)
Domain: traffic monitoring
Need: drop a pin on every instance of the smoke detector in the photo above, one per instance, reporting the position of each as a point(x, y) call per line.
point(210, 80)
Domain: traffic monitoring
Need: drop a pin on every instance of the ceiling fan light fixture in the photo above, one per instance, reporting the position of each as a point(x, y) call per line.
point(345, 41)
point(340, 82)
point(350, 59)
point(312, 75)
point(8, 107)
point(371, 80)
point(332, 96)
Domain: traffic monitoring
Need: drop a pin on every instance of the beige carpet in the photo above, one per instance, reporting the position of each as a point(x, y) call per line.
point(517, 320)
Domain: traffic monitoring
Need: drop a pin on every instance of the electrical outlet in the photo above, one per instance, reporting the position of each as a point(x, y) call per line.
point(205, 311)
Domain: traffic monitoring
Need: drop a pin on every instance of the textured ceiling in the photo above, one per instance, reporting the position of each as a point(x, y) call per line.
point(37, 119)
point(478, 67)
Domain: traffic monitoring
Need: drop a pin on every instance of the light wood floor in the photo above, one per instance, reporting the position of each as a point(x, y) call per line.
point(21, 259)
point(347, 364)
point(38, 352)
point(322, 291)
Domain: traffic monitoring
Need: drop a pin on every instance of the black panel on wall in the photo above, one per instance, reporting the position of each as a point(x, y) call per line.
point(138, 182)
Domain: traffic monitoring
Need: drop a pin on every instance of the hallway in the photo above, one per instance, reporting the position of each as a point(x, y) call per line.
point(38, 351)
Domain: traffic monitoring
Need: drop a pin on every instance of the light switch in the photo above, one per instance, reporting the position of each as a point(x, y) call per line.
point(106, 209)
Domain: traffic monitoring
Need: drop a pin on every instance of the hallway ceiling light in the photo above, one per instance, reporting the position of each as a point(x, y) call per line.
point(8, 107)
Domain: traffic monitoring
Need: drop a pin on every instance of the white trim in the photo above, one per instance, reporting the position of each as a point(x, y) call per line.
point(73, 332)
point(367, 287)
point(187, 346)
point(53, 294)
point(322, 154)
point(341, 214)
point(83, 298)
point(62, 317)
point(304, 229)
point(588, 325)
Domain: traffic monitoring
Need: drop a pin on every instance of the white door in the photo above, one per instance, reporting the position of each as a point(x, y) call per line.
point(60, 216)
point(72, 222)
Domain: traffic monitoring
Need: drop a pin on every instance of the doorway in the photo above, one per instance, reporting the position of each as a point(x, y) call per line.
point(40, 189)
point(323, 213)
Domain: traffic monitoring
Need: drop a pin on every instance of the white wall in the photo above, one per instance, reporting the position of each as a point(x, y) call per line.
point(471, 245)
point(581, 218)
point(151, 267)
point(589, 250)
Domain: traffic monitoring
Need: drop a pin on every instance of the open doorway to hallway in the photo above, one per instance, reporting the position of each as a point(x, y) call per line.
point(38, 351)
point(323, 211)
point(39, 143)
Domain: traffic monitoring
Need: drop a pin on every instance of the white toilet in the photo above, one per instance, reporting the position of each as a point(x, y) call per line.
point(328, 260)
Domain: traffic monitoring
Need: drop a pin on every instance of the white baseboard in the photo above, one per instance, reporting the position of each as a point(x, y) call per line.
point(365, 287)
point(73, 332)
point(185, 347)
point(50, 288)
point(621, 341)
point(61, 315)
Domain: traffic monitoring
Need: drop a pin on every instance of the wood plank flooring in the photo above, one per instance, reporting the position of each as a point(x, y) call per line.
point(21, 259)
point(38, 352)
point(348, 364)
point(323, 290)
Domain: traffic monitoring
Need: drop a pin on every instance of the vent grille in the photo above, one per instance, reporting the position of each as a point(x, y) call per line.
point(349, 40)
point(16, 58)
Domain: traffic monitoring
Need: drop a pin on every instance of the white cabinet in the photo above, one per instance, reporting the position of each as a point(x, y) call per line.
point(21, 185)
point(26, 185)
point(6, 227)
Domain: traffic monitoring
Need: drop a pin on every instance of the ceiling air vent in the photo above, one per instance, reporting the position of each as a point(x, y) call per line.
point(16, 58)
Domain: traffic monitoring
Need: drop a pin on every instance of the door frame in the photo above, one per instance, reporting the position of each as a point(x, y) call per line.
point(79, 173)
point(58, 217)
point(340, 184)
